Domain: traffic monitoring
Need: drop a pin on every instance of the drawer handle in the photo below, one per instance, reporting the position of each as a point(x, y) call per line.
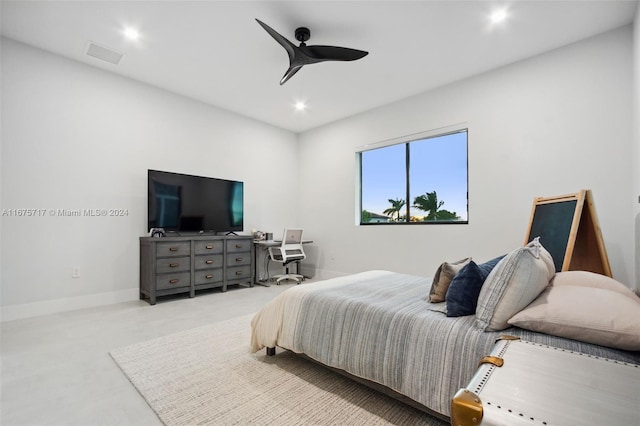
point(174, 265)
point(209, 262)
point(209, 247)
point(238, 272)
point(238, 245)
point(174, 248)
point(239, 259)
point(208, 276)
point(173, 281)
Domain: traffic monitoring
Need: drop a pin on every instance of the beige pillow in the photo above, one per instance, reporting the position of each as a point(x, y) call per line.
point(442, 279)
point(588, 314)
point(514, 283)
point(591, 279)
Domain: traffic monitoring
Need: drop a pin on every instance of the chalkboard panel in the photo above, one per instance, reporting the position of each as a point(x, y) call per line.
point(568, 228)
point(552, 222)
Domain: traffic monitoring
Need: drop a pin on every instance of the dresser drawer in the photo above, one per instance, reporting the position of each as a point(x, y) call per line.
point(236, 246)
point(238, 259)
point(205, 247)
point(238, 272)
point(212, 261)
point(167, 281)
point(173, 264)
point(208, 276)
point(182, 248)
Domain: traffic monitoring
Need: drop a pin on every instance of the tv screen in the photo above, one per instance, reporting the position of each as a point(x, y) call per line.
point(186, 203)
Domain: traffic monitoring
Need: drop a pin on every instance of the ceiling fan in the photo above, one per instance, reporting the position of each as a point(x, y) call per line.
point(305, 55)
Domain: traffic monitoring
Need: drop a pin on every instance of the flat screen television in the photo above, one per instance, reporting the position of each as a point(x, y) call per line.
point(187, 203)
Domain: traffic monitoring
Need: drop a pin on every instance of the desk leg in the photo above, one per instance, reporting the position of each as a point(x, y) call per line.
point(255, 268)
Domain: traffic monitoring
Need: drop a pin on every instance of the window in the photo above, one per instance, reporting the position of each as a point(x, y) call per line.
point(430, 172)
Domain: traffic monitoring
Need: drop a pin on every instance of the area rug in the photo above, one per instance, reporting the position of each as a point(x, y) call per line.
point(206, 376)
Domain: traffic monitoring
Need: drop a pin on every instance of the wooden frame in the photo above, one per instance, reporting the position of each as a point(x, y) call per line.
point(568, 228)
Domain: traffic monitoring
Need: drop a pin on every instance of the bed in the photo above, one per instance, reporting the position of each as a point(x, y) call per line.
point(380, 326)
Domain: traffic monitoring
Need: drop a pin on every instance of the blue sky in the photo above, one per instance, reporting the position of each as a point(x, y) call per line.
point(438, 163)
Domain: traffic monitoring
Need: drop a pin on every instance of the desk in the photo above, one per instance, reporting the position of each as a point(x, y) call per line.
point(264, 245)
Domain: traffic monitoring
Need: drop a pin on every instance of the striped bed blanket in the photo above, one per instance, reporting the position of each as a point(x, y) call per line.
point(379, 325)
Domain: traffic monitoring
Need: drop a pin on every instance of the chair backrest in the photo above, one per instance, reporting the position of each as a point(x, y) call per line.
point(292, 236)
point(291, 249)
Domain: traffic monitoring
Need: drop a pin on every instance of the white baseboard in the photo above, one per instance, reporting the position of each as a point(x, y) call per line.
point(46, 307)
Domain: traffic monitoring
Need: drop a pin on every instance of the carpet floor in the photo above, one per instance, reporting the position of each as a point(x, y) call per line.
point(207, 376)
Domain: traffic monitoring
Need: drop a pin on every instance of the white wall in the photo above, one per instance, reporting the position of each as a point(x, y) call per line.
point(549, 125)
point(75, 137)
point(635, 158)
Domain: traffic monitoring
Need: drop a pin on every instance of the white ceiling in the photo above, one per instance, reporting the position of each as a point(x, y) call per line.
point(215, 51)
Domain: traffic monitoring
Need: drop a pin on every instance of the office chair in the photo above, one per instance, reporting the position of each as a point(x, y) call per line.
point(288, 252)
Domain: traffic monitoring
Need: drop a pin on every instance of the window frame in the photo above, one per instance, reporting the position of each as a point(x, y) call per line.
point(407, 140)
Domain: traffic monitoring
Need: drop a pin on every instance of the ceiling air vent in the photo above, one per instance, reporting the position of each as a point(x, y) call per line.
point(103, 53)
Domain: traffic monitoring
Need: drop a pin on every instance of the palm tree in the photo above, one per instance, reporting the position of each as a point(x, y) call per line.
point(396, 206)
point(429, 203)
point(366, 216)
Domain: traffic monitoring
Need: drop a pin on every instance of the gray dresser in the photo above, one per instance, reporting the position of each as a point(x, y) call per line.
point(174, 265)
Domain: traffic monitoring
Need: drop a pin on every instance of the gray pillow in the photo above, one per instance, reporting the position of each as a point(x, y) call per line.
point(514, 283)
point(442, 279)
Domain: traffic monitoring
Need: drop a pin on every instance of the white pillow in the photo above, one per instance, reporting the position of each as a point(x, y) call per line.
point(514, 283)
point(591, 279)
point(588, 314)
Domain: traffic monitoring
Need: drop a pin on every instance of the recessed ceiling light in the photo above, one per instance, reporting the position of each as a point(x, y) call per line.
point(498, 15)
point(300, 106)
point(131, 33)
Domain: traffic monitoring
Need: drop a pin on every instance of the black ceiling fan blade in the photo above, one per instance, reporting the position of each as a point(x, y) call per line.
point(333, 53)
point(288, 46)
point(290, 72)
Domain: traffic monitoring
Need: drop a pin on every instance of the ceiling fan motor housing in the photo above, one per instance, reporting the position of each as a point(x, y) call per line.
point(302, 34)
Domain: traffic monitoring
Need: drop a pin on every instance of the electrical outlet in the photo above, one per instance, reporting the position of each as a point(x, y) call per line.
point(75, 272)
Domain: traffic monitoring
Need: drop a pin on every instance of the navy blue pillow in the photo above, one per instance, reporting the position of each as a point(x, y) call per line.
point(488, 266)
point(462, 295)
point(463, 292)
